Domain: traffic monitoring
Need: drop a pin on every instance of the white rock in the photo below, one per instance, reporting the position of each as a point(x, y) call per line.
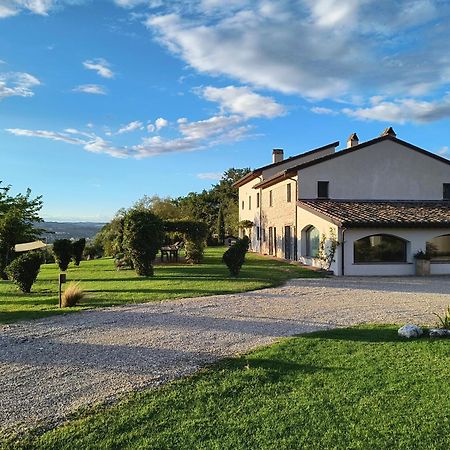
point(439, 333)
point(410, 331)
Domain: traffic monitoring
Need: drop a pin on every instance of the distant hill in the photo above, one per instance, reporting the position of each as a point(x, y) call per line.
point(70, 230)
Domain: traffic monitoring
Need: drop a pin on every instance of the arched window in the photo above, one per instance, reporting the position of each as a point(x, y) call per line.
point(312, 238)
point(380, 248)
point(439, 247)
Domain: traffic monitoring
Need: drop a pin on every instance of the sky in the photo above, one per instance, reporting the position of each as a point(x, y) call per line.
point(104, 101)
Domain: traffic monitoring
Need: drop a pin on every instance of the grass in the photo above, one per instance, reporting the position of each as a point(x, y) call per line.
point(105, 286)
point(355, 388)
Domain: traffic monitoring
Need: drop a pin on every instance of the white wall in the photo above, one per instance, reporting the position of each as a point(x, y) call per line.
point(416, 238)
point(253, 213)
point(305, 219)
point(383, 171)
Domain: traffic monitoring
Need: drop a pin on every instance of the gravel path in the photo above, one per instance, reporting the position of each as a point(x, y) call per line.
point(51, 367)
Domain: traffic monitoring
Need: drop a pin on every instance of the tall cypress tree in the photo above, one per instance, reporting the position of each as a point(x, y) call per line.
point(221, 226)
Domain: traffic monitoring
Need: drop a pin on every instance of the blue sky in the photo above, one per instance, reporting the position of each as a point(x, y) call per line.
point(104, 101)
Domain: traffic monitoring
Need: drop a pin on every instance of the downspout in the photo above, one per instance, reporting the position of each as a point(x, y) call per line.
point(296, 219)
point(260, 219)
point(343, 253)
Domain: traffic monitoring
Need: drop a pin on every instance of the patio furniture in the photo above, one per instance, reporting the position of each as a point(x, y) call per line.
point(171, 251)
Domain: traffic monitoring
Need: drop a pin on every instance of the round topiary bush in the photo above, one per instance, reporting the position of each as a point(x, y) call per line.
point(234, 257)
point(62, 249)
point(24, 270)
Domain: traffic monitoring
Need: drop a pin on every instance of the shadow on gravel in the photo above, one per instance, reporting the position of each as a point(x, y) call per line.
point(406, 285)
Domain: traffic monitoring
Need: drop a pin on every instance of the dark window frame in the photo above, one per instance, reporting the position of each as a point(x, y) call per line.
point(323, 189)
point(289, 192)
point(446, 191)
point(257, 200)
point(362, 256)
point(271, 198)
point(249, 202)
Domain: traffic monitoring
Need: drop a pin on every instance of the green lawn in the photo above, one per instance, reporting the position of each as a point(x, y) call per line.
point(357, 388)
point(105, 286)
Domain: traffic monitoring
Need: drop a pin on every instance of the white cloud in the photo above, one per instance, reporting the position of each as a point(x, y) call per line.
point(10, 8)
point(17, 84)
point(95, 89)
point(150, 128)
point(132, 126)
point(90, 142)
point(243, 101)
point(52, 135)
point(192, 136)
point(210, 175)
point(323, 111)
point(444, 151)
point(204, 129)
point(101, 66)
point(403, 110)
point(318, 49)
point(7, 11)
point(161, 123)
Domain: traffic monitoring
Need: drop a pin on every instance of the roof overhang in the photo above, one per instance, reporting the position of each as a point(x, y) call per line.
point(380, 213)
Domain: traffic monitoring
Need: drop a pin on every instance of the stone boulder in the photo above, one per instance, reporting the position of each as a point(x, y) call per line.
point(439, 333)
point(410, 331)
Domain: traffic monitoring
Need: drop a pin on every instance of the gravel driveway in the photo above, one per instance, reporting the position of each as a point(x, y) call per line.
point(50, 367)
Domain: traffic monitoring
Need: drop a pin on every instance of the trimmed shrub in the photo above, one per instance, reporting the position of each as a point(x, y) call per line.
point(24, 270)
point(122, 262)
point(143, 235)
point(62, 249)
point(193, 250)
point(93, 250)
point(72, 295)
point(77, 250)
point(47, 255)
point(194, 236)
point(234, 257)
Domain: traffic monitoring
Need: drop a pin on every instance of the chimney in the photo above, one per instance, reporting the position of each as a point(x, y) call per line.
point(277, 155)
point(353, 140)
point(389, 132)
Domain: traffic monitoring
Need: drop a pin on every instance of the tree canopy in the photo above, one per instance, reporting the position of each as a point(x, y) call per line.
point(18, 216)
point(202, 206)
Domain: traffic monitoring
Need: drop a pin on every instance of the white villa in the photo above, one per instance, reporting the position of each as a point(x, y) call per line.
point(385, 199)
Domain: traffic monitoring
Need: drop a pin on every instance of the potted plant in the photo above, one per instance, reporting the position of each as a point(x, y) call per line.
point(422, 263)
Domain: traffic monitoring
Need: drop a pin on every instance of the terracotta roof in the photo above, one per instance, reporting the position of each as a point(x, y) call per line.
point(257, 172)
point(280, 176)
point(364, 213)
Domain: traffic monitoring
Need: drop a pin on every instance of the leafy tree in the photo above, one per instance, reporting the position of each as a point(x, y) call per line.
point(25, 269)
point(165, 208)
point(221, 226)
point(18, 216)
point(62, 249)
point(143, 235)
point(77, 250)
point(110, 237)
point(205, 206)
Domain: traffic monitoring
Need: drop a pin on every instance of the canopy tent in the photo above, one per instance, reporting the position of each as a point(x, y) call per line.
point(29, 246)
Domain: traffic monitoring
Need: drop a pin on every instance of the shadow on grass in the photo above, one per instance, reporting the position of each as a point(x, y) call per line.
point(376, 333)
